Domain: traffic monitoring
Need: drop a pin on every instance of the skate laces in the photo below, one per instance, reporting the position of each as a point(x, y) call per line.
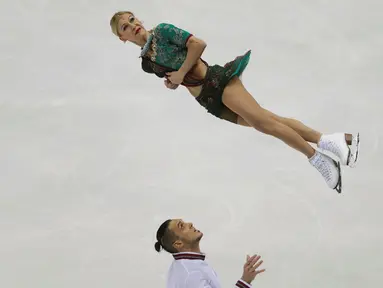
point(331, 145)
point(323, 166)
point(324, 169)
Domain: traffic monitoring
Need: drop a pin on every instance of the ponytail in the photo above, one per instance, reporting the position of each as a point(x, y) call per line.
point(158, 246)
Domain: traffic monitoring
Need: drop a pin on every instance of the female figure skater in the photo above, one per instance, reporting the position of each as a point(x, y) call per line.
point(175, 54)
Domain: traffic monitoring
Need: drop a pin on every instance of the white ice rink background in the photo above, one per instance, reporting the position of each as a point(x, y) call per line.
point(95, 154)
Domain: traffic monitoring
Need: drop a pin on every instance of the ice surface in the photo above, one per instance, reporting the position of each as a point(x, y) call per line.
point(95, 154)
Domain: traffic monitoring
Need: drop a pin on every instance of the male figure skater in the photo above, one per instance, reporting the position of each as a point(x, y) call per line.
point(189, 268)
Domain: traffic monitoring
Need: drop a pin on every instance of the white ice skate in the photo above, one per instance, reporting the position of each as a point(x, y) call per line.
point(336, 144)
point(329, 169)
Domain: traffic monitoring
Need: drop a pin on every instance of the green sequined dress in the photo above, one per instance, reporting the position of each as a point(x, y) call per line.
point(169, 51)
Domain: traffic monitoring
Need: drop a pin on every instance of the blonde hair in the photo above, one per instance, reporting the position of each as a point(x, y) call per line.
point(114, 21)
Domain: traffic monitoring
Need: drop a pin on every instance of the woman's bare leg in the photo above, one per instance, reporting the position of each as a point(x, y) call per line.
point(236, 98)
point(241, 102)
point(308, 134)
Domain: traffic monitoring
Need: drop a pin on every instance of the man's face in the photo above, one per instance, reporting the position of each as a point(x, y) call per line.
point(187, 234)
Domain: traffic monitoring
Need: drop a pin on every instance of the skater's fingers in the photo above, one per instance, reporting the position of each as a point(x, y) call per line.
point(255, 260)
point(247, 264)
point(251, 259)
point(258, 264)
point(260, 271)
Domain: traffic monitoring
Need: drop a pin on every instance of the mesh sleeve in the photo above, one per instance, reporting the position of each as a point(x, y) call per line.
point(173, 34)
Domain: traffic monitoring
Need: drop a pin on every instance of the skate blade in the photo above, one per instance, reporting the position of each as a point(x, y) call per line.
point(354, 156)
point(338, 186)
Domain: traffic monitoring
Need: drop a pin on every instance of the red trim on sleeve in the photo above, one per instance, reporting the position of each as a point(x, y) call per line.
point(187, 39)
point(242, 284)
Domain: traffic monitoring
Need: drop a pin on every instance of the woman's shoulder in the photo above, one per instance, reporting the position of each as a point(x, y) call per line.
point(169, 30)
point(163, 26)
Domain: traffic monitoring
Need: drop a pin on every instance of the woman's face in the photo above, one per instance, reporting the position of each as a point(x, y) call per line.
point(131, 29)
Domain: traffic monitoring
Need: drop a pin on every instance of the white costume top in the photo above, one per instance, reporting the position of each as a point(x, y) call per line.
point(190, 270)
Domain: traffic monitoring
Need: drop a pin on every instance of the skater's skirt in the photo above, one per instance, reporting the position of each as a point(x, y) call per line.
point(217, 77)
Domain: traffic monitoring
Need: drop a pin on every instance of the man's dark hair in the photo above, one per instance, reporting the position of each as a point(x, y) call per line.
point(165, 238)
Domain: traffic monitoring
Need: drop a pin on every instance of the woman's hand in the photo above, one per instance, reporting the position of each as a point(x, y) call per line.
point(170, 85)
point(176, 77)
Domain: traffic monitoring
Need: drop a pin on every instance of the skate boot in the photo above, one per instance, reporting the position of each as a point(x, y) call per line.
point(329, 169)
point(337, 145)
point(355, 151)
